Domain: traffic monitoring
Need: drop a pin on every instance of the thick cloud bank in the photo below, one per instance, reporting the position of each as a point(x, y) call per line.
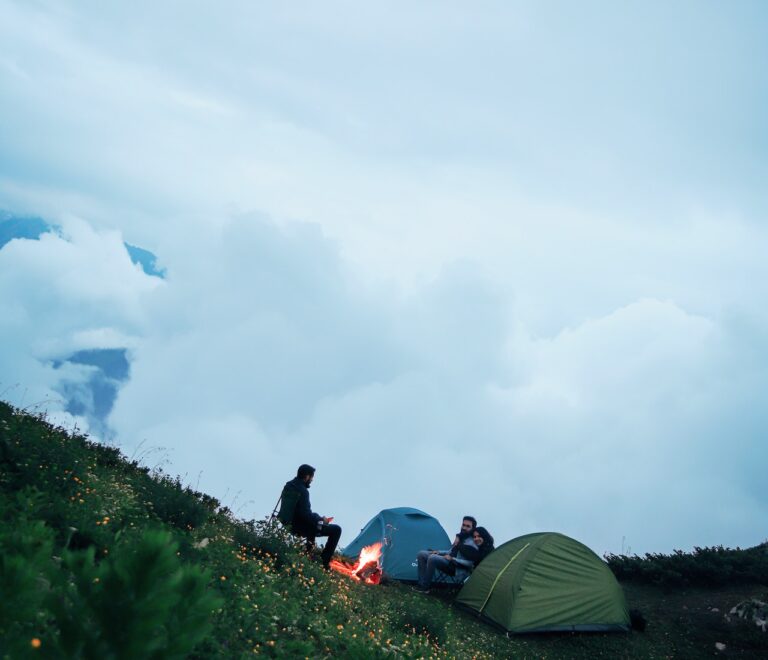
point(645, 423)
point(495, 261)
point(261, 351)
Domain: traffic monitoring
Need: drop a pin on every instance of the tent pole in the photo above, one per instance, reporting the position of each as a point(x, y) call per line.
point(498, 577)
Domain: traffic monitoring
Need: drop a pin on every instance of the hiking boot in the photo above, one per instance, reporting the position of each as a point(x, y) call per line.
point(420, 589)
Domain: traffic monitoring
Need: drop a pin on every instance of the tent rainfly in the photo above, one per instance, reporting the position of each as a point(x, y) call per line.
point(402, 532)
point(545, 582)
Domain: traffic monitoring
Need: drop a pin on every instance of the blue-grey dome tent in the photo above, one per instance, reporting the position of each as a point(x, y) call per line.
point(402, 532)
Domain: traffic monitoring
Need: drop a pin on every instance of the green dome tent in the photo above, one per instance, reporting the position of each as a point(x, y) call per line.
point(402, 531)
point(545, 582)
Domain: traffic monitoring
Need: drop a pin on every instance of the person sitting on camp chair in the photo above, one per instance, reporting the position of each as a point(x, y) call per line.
point(469, 557)
point(451, 561)
point(297, 515)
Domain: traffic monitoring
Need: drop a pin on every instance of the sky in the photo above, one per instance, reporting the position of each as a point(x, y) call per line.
point(506, 260)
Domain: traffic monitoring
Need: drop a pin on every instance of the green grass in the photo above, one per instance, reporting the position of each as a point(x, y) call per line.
point(102, 558)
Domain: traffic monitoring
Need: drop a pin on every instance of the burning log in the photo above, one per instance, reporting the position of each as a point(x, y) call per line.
point(370, 573)
point(367, 568)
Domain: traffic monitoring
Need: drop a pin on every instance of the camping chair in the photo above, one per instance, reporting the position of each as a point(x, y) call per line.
point(283, 513)
point(284, 509)
point(287, 505)
point(455, 581)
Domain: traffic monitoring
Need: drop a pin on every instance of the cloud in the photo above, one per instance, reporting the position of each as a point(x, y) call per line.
point(403, 400)
point(263, 350)
point(631, 415)
point(125, 121)
point(503, 253)
point(61, 294)
point(264, 325)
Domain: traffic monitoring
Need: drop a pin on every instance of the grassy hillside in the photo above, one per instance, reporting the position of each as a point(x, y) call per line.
point(102, 558)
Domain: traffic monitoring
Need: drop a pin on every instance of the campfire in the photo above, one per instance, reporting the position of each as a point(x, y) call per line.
point(366, 569)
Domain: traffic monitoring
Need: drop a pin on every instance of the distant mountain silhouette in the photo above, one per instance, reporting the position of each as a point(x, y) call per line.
point(145, 259)
point(12, 227)
point(33, 227)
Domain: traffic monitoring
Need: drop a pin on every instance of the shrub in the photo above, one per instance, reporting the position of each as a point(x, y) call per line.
point(268, 537)
point(26, 571)
point(174, 503)
point(707, 567)
point(139, 603)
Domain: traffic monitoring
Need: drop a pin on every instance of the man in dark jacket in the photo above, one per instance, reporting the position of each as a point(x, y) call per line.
point(296, 513)
point(460, 557)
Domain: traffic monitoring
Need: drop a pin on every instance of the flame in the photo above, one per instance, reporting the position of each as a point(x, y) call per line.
point(368, 565)
point(370, 553)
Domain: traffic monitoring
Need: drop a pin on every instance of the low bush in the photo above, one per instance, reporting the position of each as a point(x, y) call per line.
point(135, 601)
point(27, 568)
point(705, 567)
point(269, 537)
point(174, 503)
point(140, 602)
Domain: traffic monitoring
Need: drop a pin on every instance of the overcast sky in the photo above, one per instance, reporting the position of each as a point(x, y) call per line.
point(506, 259)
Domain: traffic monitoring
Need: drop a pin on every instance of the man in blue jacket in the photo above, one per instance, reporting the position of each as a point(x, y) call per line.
point(296, 513)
